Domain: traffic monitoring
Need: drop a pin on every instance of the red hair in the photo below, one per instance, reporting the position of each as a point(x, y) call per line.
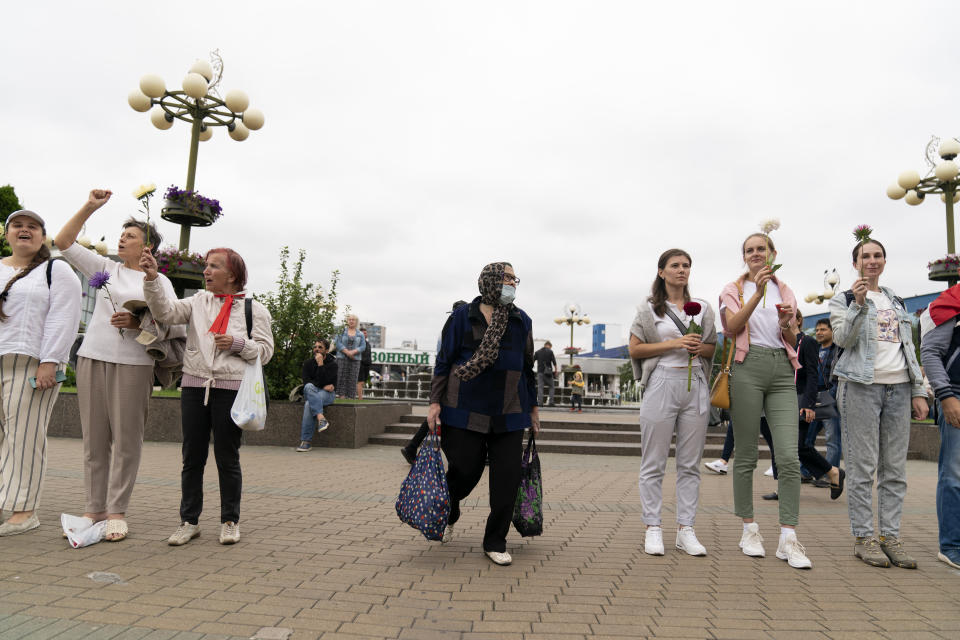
point(235, 265)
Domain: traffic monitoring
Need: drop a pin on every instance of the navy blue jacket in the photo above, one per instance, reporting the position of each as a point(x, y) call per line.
point(501, 397)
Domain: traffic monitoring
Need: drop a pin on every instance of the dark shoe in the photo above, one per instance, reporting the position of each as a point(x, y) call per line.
point(408, 455)
point(893, 548)
point(837, 489)
point(951, 557)
point(806, 479)
point(771, 496)
point(303, 446)
point(822, 483)
point(868, 550)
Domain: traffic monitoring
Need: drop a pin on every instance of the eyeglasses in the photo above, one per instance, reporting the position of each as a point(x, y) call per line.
point(507, 278)
point(316, 349)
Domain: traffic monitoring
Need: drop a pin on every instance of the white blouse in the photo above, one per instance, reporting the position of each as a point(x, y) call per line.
point(42, 322)
point(102, 340)
point(667, 329)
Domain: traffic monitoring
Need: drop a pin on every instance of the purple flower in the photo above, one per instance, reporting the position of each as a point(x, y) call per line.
point(99, 279)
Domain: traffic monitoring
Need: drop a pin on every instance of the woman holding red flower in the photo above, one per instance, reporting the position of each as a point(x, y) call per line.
point(672, 341)
point(762, 383)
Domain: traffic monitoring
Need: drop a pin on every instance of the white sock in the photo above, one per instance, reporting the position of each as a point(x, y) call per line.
point(653, 526)
point(746, 524)
point(784, 532)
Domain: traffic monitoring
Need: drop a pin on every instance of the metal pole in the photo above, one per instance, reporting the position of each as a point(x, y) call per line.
point(571, 342)
point(948, 194)
point(191, 170)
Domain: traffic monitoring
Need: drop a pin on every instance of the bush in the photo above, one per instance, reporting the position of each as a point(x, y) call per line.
point(301, 312)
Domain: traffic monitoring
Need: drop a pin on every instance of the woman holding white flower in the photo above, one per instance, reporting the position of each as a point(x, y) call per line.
point(672, 360)
point(39, 315)
point(114, 372)
point(758, 309)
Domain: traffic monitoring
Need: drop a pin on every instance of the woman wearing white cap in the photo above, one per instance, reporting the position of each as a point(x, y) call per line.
point(39, 318)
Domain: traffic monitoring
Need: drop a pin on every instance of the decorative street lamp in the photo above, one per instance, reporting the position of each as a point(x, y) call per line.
point(572, 316)
point(200, 104)
point(830, 284)
point(942, 178)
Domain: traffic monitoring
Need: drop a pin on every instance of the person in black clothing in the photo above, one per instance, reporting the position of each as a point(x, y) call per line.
point(546, 372)
point(366, 360)
point(807, 354)
point(319, 375)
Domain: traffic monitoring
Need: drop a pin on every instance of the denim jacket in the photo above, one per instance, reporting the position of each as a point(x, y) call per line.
point(344, 341)
point(855, 329)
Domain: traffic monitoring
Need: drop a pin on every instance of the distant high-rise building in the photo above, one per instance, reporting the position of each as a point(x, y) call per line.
point(376, 334)
point(606, 336)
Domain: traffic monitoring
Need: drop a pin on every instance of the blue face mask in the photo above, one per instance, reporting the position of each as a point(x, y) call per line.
point(507, 294)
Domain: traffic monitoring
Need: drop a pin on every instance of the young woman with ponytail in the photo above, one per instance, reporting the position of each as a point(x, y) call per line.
point(39, 318)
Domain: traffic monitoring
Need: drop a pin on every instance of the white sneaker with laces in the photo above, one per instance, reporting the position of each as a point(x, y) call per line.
point(447, 534)
point(653, 541)
point(184, 534)
point(501, 558)
point(752, 542)
point(688, 543)
point(793, 552)
point(717, 466)
point(229, 533)
point(769, 472)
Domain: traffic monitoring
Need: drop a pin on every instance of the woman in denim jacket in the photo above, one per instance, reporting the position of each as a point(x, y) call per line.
point(880, 381)
point(350, 345)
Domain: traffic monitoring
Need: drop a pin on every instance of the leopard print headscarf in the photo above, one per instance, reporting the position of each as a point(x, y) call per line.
point(490, 283)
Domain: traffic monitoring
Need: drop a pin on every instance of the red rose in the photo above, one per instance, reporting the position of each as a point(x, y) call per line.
point(691, 308)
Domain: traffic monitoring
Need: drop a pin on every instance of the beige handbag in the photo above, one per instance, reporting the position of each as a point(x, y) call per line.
point(720, 391)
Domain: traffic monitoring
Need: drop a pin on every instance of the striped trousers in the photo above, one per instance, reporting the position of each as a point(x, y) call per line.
point(24, 414)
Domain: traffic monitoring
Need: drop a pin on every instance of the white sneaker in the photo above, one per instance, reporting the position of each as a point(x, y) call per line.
point(688, 543)
point(500, 558)
point(793, 552)
point(447, 534)
point(769, 472)
point(751, 542)
point(229, 533)
point(653, 542)
point(184, 534)
point(717, 466)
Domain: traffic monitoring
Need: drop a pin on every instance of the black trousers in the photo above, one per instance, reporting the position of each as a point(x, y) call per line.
point(810, 458)
point(198, 422)
point(466, 453)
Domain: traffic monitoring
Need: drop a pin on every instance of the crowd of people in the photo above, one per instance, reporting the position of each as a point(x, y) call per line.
point(861, 379)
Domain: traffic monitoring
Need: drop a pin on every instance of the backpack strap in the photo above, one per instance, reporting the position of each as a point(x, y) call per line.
point(248, 312)
point(49, 272)
point(848, 295)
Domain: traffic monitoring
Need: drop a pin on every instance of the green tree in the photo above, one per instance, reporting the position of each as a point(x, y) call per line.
point(8, 204)
point(301, 312)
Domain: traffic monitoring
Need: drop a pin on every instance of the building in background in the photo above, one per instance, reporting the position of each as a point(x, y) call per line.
point(376, 334)
point(606, 336)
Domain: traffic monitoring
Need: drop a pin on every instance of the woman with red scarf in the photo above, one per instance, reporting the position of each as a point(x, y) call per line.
point(219, 346)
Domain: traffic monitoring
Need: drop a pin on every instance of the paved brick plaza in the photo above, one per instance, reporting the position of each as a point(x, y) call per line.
point(323, 554)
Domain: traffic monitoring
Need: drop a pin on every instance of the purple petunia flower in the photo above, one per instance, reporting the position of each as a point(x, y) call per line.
point(99, 279)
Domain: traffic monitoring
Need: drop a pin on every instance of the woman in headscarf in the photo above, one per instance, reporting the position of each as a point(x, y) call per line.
point(483, 392)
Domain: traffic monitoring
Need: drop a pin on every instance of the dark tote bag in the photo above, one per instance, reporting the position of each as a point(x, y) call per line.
point(826, 407)
point(424, 500)
point(528, 508)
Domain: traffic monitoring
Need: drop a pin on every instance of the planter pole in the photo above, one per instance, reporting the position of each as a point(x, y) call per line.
point(191, 176)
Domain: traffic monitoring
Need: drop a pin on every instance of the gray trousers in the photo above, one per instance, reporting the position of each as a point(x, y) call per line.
point(545, 378)
point(875, 419)
point(113, 401)
point(667, 408)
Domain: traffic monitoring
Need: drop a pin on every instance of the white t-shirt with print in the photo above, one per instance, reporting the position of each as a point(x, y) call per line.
point(889, 363)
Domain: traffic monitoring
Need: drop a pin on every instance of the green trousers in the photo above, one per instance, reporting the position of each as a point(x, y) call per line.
point(764, 383)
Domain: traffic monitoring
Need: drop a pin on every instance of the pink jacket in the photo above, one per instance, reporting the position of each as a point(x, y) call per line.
point(730, 299)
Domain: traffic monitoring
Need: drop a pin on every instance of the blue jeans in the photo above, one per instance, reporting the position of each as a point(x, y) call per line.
point(948, 485)
point(315, 400)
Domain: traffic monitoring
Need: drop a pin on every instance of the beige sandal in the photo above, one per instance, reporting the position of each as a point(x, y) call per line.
point(117, 529)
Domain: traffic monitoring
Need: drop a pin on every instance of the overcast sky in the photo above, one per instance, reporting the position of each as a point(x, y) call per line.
point(407, 144)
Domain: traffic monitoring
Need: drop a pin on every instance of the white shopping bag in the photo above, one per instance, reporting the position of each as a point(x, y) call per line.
point(250, 407)
point(79, 531)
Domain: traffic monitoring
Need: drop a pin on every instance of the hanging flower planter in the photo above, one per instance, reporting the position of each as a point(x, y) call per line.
point(189, 208)
point(944, 269)
point(183, 268)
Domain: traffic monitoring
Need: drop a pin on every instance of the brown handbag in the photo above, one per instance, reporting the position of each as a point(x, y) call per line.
point(720, 391)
